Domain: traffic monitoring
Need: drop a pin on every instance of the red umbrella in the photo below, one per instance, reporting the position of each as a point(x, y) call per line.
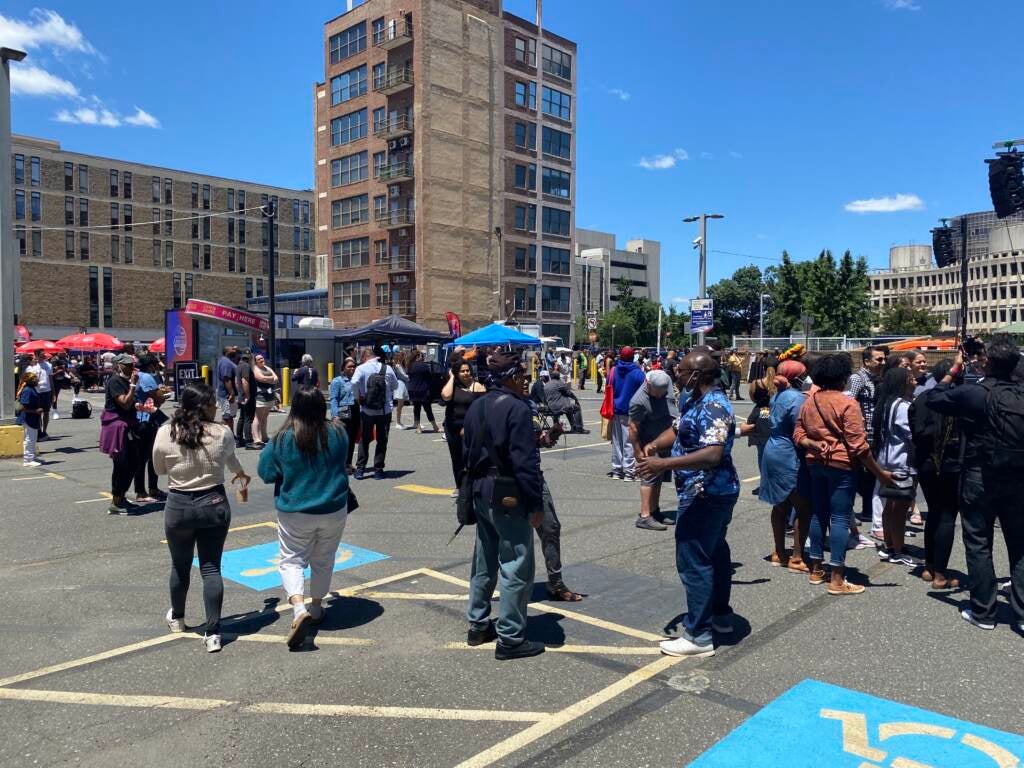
point(40, 344)
point(90, 342)
point(158, 346)
point(22, 333)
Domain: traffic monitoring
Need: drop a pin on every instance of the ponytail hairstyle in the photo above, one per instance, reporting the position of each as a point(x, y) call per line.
point(892, 389)
point(307, 421)
point(189, 419)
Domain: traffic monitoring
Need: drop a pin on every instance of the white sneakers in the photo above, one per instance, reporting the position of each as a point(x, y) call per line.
point(968, 616)
point(175, 625)
point(212, 643)
point(32, 464)
point(683, 647)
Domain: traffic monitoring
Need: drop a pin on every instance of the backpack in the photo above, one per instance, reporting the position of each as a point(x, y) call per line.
point(81, 409)
point(377, 389)
point(1004, 412)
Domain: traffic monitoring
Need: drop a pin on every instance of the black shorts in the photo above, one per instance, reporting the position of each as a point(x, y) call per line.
point(45, 401)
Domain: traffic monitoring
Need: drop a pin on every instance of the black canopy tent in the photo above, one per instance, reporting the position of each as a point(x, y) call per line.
point(393, 329)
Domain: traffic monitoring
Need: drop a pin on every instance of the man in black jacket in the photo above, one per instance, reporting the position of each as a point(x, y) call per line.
point(499, 440)
point(987, 492)
point(562, 400)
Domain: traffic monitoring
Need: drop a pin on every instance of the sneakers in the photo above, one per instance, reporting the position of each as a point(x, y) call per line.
point(212, 643)
point(649, 524)
point(475, 637)
point(358, 475)
point(722, 624)
point(378, 474)
point(400, 425)
point(299, 629)
point(32, 464)
point(884, 554)
point(613, 475)
point(145, 499)
point(524, 650)
point(846, 588)
point(863, 542)
point(173, 624)
point(902, 558)
point(662, 518)
point(817, 577)
point(115, 509)
point(683, 647)
point(628, 478)
point(967, 616)
point(55, 416)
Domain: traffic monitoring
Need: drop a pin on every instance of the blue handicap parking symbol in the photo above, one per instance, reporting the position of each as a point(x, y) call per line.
point(841, 728)
point(256, 567)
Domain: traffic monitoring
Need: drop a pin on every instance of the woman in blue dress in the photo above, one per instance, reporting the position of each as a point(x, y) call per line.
point(784, 477)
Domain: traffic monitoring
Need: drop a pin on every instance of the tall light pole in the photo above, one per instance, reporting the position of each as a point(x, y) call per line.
point(613, 337)
point(703, 273)
point(9, 264)
point(760, 323)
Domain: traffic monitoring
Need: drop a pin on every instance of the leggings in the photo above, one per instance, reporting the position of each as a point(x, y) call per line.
point(209, 543)
point(425, 405)
point(942, 494)
point(123, 472)
point(144, 466)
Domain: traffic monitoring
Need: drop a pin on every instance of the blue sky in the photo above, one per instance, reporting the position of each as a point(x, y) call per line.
point(781, 115)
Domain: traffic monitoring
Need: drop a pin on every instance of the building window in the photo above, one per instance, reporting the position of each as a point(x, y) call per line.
point(305, 239)
point(555, 221)
point(195, 195)
point(526, 257)
point(83, 179)
point(231, 259)
point(83, 212)
point(69, 177)
point(354, 294)
point(350, 253)
point(259, 286)
point(19, 235)
point(526, 135)
point(69, 245)
point(248, 288)
point(382, 294)
point(168, 254)
point(176, 289)
point(265, 268)
point(69, 209)
point(348, 128)
point(555, 261)
point(156, 221)
point(207, 258)
point(295, 211)
point(526, 217)
point(168, 186)
point(34, 175)
point(115, 185)
point(115, 249)
point(554, 298)
point(241, 231)
point(37, 207)
point(19, 205)
point(231, 200)
point(156, 253)
point(555, 62)
point(351, 210)
point(556, 143)
point(526, 94)
point(188, 285)
point(378, 73)
point(129, 251)
point(206, 197)
point(241, 260)
point(526, 299)
point(296, 265)
point(380, 206)
point(94, 296)
point(241, 199)
point(195, 227)
point(555, 183)
point(156, 189)
point(168, 225)
point(83, 246)
point(231, 230)
point(206, 227)
point(526, 51)
point(380, 161)
point(526, 176)
point(348, 169)
point(115, 219)
point(19, 168)
point(195, 255)
point(37, 243)
point(380, 119)
point(296, 235)
point(348, 85)
point(127, 217)
point(108, 298)
point(305, 211)
point(556, 103)
point(127, 185)
point(348, 42)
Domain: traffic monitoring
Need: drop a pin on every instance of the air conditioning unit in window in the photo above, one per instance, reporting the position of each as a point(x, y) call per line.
point(401, 233)
point(395, 190)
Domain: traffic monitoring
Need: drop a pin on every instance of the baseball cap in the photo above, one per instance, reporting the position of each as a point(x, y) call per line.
point(545, 374)
point(626, 353)
point(659, 380)
point(124, 359)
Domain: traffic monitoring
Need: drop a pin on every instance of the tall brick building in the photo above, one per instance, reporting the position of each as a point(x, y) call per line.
point(445, 158)
point(110, 244)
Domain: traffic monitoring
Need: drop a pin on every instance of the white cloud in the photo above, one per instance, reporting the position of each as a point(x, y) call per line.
point(620, 94)
point(43, 28)
point(735, 154)
point(142, 118)
point(888, 204)
point(707, 156)
point(33, 81)
point(663, 162)
point(901, 5)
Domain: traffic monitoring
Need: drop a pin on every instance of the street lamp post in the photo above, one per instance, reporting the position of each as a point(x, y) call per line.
point(269, 212)
point(9, 264)
point(760, 323)
point(703, 273)
point(613, 337)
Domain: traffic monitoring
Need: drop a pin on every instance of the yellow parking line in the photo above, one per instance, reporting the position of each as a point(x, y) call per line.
point(573, 712)
point(751, 479)
point(427, 490)
point(574, 447)
point(111, 700)
point(90, 659)
point(416, 713)
point(320, 639)
point(611, 650)
point(413, 596)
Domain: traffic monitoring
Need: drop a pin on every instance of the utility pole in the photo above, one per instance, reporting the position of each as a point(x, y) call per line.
point(703, 269)
point(9, 263)
point(760, 323)
point(269, 212)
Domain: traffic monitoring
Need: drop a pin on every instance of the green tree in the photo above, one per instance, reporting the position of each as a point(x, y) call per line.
point(785, 283)
point(624, 331)
point(906, 319)
point(642, 312)
point(737, 302)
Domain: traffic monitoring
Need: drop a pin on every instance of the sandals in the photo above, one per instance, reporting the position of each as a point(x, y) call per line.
point(846, 588)
point(562, 594)
point(945, 583)
point(777, 562)
point(796, 565)
point(916, 519)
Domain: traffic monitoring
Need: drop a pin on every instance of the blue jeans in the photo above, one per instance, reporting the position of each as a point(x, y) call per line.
point(704, 563)
point(504, 547)
point(832, 494)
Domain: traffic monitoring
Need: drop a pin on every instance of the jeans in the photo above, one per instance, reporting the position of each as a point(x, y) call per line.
point(734, 384)
point(417, 406)
point(243, 427)
point(985, 498)
point(144, 467)
point(504, 549)
point(704, 563)
point(942, 496)
point(622, 450)
point(550, 535)
point(380, 424)
point(832, 494)
point(308, 540)
point(351, 427)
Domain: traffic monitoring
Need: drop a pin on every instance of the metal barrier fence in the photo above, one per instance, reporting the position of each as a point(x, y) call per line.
point(812, 343)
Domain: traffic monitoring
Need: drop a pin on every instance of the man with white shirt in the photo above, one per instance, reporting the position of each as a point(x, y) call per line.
point(44, 371)
point(374, 383)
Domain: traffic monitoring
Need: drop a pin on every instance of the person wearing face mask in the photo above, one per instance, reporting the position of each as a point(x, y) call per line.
point(708, 487)
point(119, 437)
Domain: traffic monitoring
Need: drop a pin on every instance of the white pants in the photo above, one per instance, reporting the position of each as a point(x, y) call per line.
point(29, 443)
point(308, 540)
point(877, 507)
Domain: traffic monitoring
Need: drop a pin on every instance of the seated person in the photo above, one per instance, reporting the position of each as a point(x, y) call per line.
point(537, 390)
point(562, 400)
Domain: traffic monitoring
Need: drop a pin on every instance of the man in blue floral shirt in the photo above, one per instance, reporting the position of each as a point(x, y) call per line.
point(708, 487)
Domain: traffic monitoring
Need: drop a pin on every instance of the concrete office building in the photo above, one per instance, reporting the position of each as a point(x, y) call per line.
point(445, 158)
point(639, 262)
point(110, 244)
point(995, 273)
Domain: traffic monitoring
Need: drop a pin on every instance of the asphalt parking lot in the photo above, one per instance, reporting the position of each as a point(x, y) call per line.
point(89, 676)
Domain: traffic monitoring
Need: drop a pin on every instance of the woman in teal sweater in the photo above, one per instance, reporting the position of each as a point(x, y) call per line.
point(306, 463)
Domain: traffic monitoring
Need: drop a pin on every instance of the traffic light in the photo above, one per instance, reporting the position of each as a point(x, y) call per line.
point(942, 246)
point(1006, 183)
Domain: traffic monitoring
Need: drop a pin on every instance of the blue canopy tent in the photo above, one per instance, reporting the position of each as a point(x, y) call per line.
point(495, 334)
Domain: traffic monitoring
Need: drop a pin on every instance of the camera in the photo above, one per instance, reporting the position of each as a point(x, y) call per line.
point(973, 346)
